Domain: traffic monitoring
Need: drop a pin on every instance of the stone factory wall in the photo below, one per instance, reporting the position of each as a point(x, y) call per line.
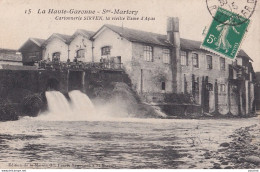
point(148, 76)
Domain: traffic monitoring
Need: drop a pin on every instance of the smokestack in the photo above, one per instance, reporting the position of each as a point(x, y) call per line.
point(173, 35)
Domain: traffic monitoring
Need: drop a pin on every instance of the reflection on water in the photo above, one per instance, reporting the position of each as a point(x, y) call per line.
point(124, 143)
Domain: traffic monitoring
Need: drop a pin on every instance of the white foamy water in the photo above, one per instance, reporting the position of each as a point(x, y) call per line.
point(57, 103)
point(79, 108)
point(81, 103)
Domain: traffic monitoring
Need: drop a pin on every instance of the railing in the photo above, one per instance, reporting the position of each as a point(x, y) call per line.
point(49, 65)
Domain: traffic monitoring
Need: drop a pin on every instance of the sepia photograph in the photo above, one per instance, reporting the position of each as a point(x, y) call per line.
point(128, 84)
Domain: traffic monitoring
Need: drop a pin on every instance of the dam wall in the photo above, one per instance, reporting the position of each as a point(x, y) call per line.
point(18, 87)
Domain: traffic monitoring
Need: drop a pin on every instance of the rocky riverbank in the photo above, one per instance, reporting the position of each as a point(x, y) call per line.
point(243, 152)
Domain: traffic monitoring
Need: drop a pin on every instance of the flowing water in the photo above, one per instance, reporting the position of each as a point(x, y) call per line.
point(65, 137)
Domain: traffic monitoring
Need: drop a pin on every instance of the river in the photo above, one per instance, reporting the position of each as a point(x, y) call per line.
point(113, 143)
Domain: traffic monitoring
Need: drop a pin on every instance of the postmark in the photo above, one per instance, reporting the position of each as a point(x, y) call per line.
point(244, 8)
point(224, 36)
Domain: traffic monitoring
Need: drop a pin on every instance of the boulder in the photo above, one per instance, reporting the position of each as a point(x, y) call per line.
point(253, 159)
point(225, 144)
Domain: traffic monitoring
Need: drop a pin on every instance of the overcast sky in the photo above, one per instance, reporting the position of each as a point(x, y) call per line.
point(17, 27)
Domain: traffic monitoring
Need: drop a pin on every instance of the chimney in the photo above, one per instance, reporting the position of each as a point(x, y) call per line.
point(173, 35)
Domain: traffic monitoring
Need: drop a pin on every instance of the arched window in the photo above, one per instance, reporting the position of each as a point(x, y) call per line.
point(56, 57)
point(81, 53)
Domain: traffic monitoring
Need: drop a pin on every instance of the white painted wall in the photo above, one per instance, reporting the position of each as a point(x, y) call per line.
point(119, 46)
point(56, 45)
point(80, 42)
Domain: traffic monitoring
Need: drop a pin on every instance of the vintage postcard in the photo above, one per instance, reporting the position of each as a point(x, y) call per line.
point(128, 84)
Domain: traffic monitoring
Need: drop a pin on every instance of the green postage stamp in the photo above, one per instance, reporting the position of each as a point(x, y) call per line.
point(225, 33)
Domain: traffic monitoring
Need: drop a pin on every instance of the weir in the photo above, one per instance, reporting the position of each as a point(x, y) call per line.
point(59, 108)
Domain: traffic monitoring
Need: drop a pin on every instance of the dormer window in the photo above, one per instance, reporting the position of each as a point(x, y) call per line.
point(105, 51)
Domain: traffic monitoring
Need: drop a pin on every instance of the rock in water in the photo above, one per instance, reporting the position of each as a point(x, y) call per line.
point(253, 159)
point(225, 144)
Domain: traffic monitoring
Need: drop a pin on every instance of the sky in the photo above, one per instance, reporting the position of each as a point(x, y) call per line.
point(17, 25)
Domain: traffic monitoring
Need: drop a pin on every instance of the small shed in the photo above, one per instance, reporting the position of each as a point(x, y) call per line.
point(31, 51)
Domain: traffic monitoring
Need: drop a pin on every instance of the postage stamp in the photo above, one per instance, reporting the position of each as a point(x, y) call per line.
point(226, 33)
point(245, 8)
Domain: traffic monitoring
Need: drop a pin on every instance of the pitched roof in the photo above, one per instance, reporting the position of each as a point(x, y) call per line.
point(86, 32)
point(37, 41)
point(83, 32)
point(134, 35)
point(65, 38)
point(27, 45)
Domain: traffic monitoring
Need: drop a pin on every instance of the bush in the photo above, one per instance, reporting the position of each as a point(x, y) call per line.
point(32, 104)
point(8, 112)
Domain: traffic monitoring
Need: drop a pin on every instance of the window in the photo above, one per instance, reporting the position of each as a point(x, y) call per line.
point(196, 86)
point(195, 59)
point(105, 50)
point(222, 63)
point(56, 56)
point(209, 87)
point(163, 85)
point(148, 53)
point(166, 56)
point(184, 58)
point(81, 53)
point(222, 88)
point(209, 62)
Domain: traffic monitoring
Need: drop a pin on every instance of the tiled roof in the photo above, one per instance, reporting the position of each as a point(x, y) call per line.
point(10, 55)
point(140, 36)
point(187, 44)
point(4, 50)
point(134, 35)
